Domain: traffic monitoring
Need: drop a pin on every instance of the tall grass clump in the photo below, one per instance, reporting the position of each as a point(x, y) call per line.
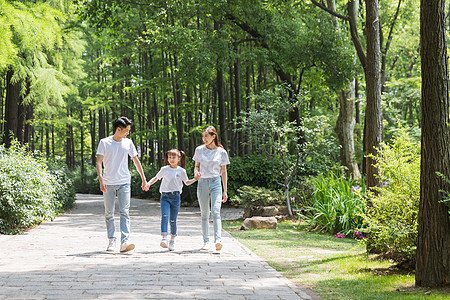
point(392, 217)
point(337, 204)
point(30, 192)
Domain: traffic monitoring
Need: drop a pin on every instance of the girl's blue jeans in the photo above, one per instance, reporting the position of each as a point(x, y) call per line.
point(209, 194)
point(123, 193)
point(170, 205)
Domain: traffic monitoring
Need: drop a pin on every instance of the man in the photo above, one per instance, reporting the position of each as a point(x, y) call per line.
point(115, 180)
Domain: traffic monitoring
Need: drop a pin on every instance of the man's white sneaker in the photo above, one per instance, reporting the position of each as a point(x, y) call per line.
point(164, 243)
point(219, 246)
point(111, 244)
point(206, 246)
point(171, 245)
point(127, 246)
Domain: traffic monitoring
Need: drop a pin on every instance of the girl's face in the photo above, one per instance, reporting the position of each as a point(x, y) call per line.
point(173, 160)
point(207, 138)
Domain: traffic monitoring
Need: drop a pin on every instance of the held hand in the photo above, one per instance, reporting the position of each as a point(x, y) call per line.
point(197, 176)
point(144, 185)
point(224, 197)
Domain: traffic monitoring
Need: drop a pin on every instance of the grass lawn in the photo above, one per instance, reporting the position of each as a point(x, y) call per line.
point(334, 268)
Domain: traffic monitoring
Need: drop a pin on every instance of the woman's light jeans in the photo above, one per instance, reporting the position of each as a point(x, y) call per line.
point(123, 193)
point(209, 192)
point(170, 205)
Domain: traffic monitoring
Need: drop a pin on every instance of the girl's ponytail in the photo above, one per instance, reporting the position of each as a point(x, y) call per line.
point(183, 159)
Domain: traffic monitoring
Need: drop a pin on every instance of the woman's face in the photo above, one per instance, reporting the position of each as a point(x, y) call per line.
point(207, 138)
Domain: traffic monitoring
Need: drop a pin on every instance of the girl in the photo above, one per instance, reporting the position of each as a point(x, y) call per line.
point(173, 175)
point(211, 161)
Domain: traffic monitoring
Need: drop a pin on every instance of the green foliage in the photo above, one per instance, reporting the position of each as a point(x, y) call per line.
point(253, 170)
point(392, 217)
point(254, 196)
point(337, 205)
point(86, 183)
point(30, 192)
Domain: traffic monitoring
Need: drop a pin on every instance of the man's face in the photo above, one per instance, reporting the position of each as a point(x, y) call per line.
point(123, 132)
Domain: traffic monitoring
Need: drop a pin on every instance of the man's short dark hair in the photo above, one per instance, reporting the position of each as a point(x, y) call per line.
point(121, 122)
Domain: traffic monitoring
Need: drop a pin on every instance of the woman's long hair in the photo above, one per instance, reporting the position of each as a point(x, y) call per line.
point(213, 132)
point(176, 152)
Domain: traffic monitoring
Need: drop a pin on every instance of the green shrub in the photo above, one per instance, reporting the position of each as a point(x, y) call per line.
point(86, 183)
point(251, 170)
point(30, 193)
point(392, 218)
point(337, 204)
point(64, 186)
point(251, 196)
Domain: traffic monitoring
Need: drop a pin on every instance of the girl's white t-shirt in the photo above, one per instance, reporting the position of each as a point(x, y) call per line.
point(115, 160)
point(210, 160)
point(172, 179)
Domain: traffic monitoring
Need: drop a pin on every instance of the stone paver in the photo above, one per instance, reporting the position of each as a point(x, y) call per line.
point(66, 259)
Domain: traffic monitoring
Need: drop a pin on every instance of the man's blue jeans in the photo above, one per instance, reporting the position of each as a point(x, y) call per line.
point(123, 193)
point(170, 205)
point(209, 192)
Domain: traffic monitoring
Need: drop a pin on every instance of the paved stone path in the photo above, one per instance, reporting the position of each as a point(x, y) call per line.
point(66, 259)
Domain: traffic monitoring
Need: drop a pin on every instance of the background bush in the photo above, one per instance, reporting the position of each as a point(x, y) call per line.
point(30, 191)
point(337, 204)
point(392, 216)
point(250, 196)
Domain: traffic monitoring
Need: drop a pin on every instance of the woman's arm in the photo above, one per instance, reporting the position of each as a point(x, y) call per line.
point(197, 169)
point(223, 172)
point(191, 181)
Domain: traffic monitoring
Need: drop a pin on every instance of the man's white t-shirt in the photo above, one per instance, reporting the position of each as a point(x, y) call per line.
point(172, 179)
point(115, 160)
point(210, 160)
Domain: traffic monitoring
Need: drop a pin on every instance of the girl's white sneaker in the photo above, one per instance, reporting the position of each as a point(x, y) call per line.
point(171, 245)
point(164, 243)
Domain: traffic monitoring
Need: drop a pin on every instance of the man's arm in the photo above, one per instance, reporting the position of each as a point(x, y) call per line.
point(100, 173)
point(138, 166)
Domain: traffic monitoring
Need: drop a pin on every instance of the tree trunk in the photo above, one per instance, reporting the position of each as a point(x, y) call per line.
point(433, 247)
point(178, 100)
point(237, 94)
point(12, 108)
point(83, 181)
point(344, 130)
point(345, 123)
point(93, 144)
point(221, 99)
point(373, 93)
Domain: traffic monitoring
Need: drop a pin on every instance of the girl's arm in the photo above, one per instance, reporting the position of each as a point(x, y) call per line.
point(223, 172)
point(152, 181)
point(191, 181)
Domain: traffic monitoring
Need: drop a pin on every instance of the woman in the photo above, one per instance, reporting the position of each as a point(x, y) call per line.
point(211, 161)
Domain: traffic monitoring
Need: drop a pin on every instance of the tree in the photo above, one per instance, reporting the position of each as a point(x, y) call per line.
point(433, 255)
point(373, 124)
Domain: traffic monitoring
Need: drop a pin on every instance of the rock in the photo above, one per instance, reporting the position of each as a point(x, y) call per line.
point(269, 211)
point(260, 223)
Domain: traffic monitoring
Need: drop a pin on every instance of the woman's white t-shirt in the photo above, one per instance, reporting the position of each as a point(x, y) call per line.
point(172, 179)
point(115, 160)
point(210, 160)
